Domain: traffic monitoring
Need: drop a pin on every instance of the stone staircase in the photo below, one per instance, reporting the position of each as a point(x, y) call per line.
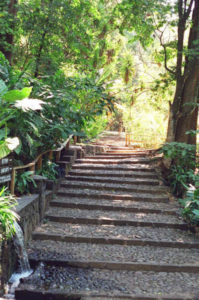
point(113, 233)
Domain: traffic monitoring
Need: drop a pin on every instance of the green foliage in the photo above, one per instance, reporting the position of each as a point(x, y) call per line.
point(24, 181)
point(181, 153)
point(183, 163)
point(96, 126)
point(7, 214)
point(8, 145)
point(49, 170)
point(190, 205)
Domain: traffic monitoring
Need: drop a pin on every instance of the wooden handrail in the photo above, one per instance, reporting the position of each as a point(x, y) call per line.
point(38, 161)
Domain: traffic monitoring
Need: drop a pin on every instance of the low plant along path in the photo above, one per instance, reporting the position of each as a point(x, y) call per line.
point(112, 232)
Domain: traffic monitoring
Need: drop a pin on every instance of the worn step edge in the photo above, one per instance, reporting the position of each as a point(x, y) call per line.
point(112, 196)
point(112, 162)
point(115, 156)
point(124, 266)
point(112, 180)
point(26, 292)
point(117, 168)
point(58, 203)
point(126, 175)
point(96, 221)
point(142, 190)
point(113, 241)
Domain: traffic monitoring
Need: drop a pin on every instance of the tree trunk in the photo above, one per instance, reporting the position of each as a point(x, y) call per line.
point(38, 57)
point(183, 112)
point(7, 38)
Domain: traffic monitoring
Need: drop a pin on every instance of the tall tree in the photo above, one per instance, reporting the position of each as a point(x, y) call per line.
point(184, 110)
point(9, 10)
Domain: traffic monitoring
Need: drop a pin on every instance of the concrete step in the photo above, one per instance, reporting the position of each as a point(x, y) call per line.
point(93, 194)
point(125, 266)
point(105, 285)
point(115, 167)
point(115, 156)
point(97, 217)
point(39, 250)
point(114, 180)
point(114, 161)
point(127, 152)
point(114, 174)
point(124, 188)
point(116, 205)
point(111, 234)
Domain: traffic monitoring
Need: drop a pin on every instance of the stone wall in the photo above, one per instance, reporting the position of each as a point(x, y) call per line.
point(31, 210)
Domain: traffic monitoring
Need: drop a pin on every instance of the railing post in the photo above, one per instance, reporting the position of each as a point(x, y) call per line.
point(32, 168)
point(58, 154)
point(50, 155)
point(12, 185)
point(39, 163)
point(75, 139)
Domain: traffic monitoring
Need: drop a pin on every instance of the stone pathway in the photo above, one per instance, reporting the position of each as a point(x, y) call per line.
point(113, 233)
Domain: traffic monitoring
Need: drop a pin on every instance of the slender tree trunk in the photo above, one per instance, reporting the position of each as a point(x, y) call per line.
point(38, 57)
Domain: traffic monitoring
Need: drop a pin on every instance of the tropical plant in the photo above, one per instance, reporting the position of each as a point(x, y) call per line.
point(182, 165)
point(49, 170)
point(190, 205)
point(7, 214)
point(24, 181)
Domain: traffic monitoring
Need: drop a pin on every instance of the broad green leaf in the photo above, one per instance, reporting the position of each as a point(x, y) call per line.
point(14, 95)
point(3, 88)
point(196, 212)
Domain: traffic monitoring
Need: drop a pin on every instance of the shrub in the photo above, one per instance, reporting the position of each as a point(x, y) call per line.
point(183, 164)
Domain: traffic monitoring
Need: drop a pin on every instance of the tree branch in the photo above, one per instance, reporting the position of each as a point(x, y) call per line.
point(188, 11)
point(165, 53)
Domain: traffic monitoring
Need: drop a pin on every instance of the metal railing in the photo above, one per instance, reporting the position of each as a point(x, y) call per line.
point(37, 163)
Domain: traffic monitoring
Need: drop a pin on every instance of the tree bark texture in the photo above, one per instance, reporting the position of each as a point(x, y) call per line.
point(184, 112)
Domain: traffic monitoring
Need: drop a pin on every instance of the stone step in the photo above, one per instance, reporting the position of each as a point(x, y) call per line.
point(123, 167)
point(109, 173)
point(114, 161)
point(56, 250)
point(110, 234)
point(74, 283)
point(99, 217)
point(46, 236)
point(114, 180)
point(115, 156)
point(115, 205)
point(125, 266)
point(127, 152)
point(33, 293)
point(124, 188)
point(93, 194)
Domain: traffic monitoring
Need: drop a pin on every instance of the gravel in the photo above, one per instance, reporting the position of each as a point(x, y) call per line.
point(114, 282)
point(121, 167)
point(116, 186)
point(78, 192)
point(101, 215)
point(94, 252)
point(114, 173)
point(118, 180)
point(120, 232)
point(120, 203)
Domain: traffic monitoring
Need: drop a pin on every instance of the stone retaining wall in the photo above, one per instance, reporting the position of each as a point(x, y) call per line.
point(31, 210)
